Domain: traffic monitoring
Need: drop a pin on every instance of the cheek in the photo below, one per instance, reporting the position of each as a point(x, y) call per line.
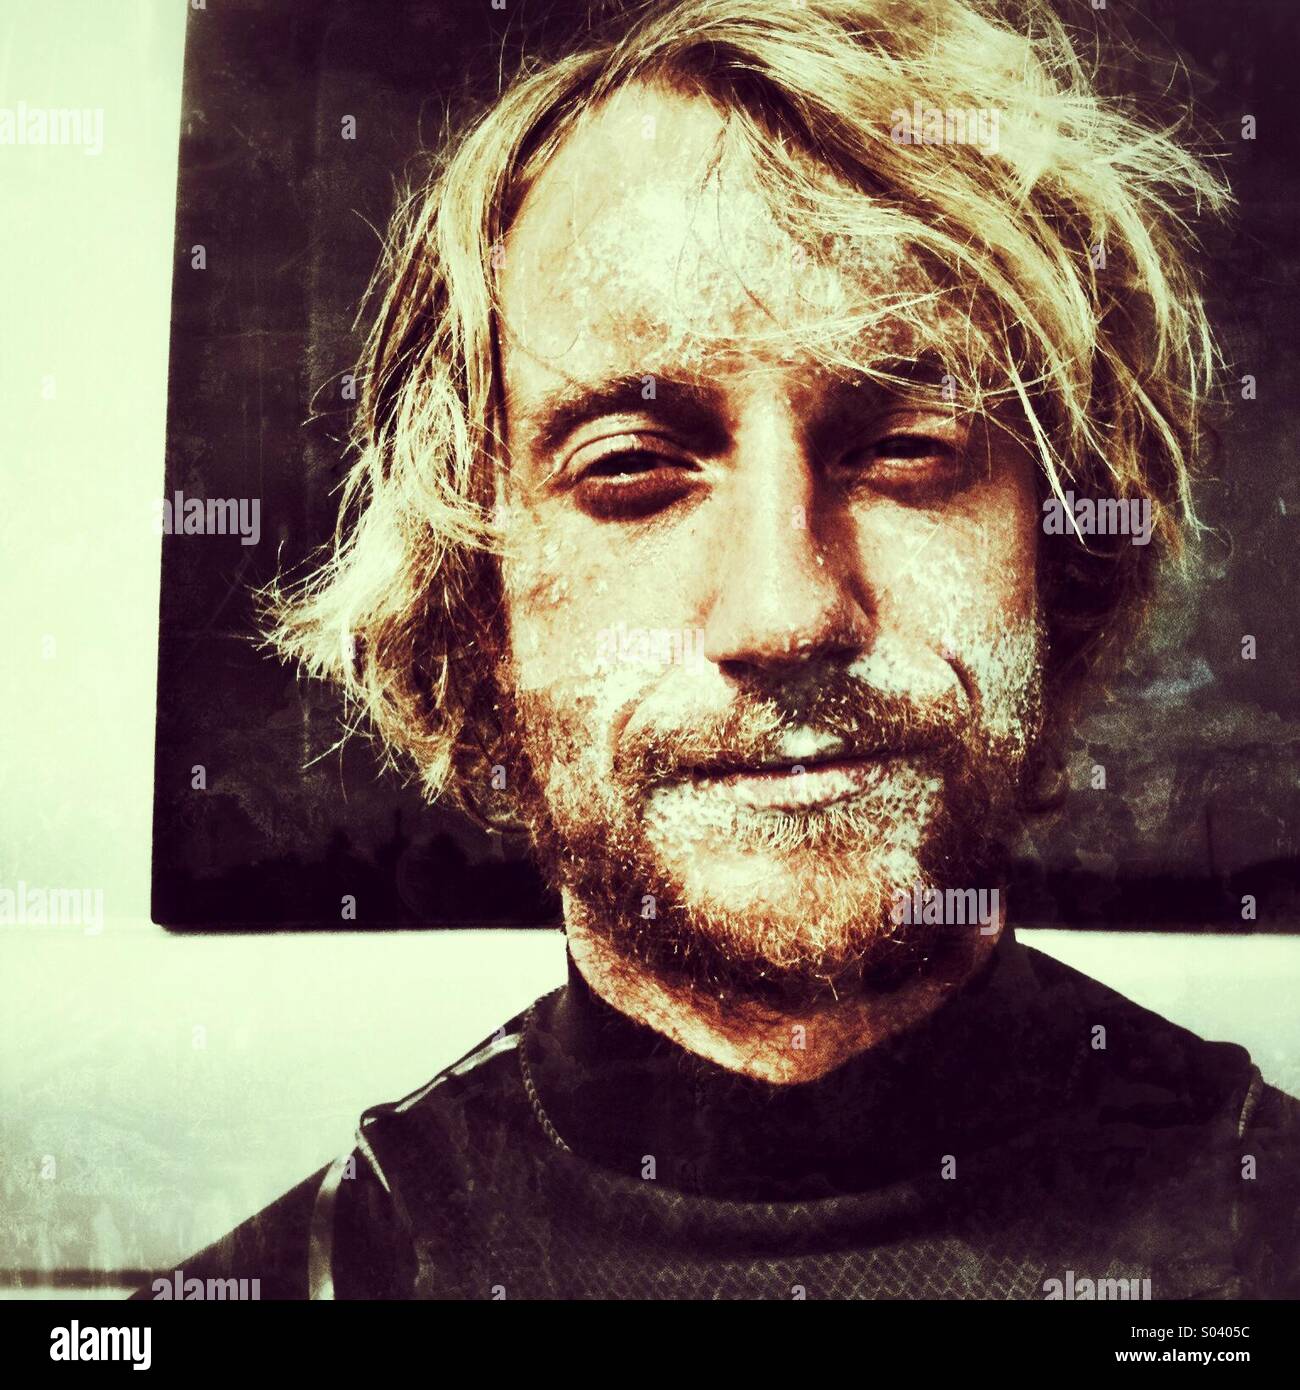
point(569, 600)
point(968, 568)
point(545, 580)
point(575, 592)
point(957, 586)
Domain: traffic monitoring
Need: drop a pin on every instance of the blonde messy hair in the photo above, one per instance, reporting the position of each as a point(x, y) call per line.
point(1107, 367)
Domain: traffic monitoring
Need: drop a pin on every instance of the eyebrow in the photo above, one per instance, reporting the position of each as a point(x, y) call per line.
point(689, 407)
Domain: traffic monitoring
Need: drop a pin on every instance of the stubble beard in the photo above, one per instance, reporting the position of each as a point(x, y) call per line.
point(800, 908)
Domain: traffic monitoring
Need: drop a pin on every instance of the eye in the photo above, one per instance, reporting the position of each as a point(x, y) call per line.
point(628, 484)
point(909, 465)
point(911, 446)
point(625, 463)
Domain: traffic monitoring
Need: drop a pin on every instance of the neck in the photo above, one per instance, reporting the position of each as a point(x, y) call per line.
point(780, 1047)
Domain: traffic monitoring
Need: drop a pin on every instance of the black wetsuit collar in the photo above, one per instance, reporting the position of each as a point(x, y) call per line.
point(988, 1060)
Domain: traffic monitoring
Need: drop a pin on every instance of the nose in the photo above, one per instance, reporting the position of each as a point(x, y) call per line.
point(786, 587)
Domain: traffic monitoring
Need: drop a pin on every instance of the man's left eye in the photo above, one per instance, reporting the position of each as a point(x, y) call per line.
point(912, 468)
point(911, 446)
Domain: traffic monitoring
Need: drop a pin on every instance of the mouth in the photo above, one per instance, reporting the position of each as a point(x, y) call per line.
point(787, 785)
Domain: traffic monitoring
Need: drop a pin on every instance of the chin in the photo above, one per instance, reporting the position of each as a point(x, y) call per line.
point(803, 886)
point(787, 929)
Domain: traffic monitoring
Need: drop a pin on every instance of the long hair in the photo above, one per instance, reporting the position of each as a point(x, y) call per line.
point(1067, 250)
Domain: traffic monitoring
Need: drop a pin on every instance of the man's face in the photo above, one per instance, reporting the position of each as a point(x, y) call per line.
point(774, 647)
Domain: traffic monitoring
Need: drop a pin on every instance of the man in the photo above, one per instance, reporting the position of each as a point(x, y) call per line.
point(728, 372)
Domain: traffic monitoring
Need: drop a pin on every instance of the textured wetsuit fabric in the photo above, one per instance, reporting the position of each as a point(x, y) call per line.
point(1038, 1127)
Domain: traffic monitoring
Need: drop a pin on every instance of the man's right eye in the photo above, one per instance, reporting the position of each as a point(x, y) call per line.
point(631, 484)
point(621, 464)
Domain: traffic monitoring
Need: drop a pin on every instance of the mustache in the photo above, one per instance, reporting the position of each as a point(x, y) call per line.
point(857, 720)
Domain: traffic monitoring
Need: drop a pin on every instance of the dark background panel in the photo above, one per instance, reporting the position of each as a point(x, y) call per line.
point(1201, 747)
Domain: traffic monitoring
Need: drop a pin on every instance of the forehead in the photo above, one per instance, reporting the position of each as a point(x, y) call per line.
point(648, 245)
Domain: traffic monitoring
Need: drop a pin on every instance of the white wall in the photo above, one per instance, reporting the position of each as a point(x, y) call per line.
point(86, 252)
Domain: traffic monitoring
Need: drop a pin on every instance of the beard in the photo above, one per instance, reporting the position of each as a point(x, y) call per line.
point(792, 907)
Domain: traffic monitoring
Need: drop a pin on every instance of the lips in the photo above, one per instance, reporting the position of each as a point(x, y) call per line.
point(797, 786)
